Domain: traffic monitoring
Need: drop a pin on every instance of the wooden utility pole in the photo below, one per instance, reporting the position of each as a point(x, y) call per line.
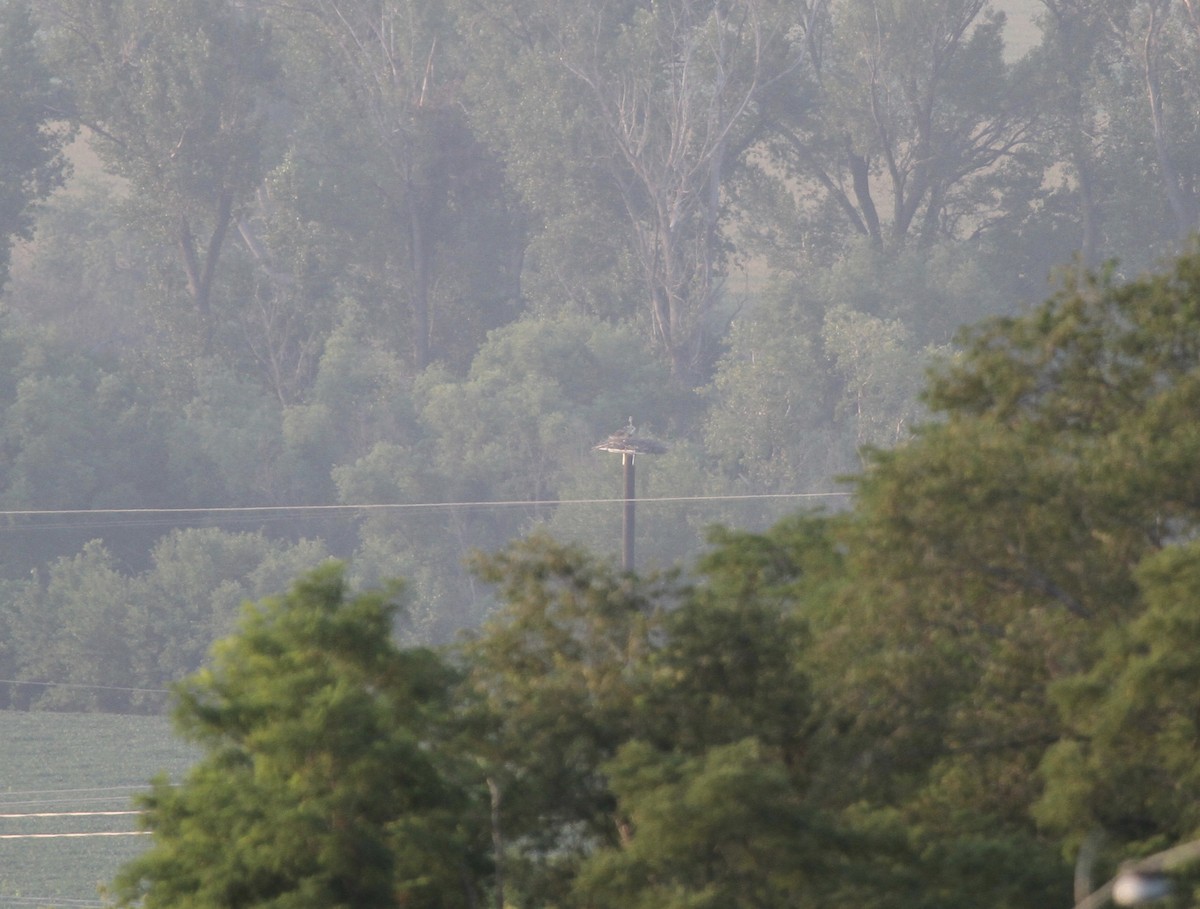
point(627, 522)
point(628, 443)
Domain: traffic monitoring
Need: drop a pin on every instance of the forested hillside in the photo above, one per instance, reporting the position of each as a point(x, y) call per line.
point(976, 686)
point(333, 277)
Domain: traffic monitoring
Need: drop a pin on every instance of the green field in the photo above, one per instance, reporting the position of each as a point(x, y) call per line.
point(77, 764)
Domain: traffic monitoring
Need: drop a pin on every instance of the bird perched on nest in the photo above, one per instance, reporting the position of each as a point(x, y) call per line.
point(620, 438)
point(627, 439)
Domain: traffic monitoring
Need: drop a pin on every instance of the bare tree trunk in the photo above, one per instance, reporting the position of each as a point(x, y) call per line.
point(860, 178)
point(422, 255)
point(200, 273)
point(1079, 127)
point(497, 842)
point(1181, 207)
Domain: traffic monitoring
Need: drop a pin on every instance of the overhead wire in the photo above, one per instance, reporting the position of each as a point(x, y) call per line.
point(397, 506)
point(85, 687)
point(150, 516)
point(170, 515)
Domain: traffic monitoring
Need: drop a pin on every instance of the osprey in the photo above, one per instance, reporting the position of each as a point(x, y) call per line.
point(626, 439)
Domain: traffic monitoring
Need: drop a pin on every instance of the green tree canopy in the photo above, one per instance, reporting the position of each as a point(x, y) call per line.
point(321, 782)
point(1013, 570)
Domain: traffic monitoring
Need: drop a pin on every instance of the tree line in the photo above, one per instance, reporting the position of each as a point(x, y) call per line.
point(349, 252)
point(939, 696)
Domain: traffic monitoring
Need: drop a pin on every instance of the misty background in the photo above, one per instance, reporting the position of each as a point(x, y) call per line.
point(371, 279)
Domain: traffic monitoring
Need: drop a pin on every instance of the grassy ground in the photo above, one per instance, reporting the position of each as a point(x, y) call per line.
point(53, 763)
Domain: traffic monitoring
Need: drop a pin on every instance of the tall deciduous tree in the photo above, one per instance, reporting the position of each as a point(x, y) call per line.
point(1170, 38)
point(725, 829)
point(321, 783)
point(672, 89)
point(1126, 764)
point(662, 97)
point(1123, 85)
point(385, 153)
point(31, 144)
point(919, 128)
point(649, 743)
point(176, 96)
point(1077, 39)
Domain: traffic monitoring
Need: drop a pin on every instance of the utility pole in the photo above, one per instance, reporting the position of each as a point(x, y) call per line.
point(627, 442)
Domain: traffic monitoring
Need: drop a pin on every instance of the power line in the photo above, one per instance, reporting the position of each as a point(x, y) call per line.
point(24, 792)
point(41, 814)
point(109, 799)
point(86, 687)
point(121, 794)
point(71, 836)
point(397, 506)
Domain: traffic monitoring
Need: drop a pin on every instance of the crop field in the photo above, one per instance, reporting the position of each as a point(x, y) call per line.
point(59, 775)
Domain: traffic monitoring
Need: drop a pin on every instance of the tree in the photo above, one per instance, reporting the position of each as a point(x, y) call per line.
point(719, 794)
point(88, 276)
point(539, 394)
point(672, 89)
point(32, 136)
point(919, 130)
point(73, 635)
point(383, 151)
point(226, 443)
point(94, 636)
point(1121, 80)
point(1170, 38)
point(728, 828)
point(175, 94)
point(648, 739)
point(663, 98)
point(1004, 564)
point(70, 429)
point(814, 373)
point(1123, 768)
point(768, 420)
point(322, 782)
point(553, 678)
point(1075, 42)
point(192, 595)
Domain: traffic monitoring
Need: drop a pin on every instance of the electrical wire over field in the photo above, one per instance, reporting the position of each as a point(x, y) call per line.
point(122, 514)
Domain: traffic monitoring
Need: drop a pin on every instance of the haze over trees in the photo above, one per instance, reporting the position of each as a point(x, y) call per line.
point(427, 254)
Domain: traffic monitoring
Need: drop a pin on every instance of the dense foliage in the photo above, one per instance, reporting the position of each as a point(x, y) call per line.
point(414, 259)
point(319, 785)
point(426, 254)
